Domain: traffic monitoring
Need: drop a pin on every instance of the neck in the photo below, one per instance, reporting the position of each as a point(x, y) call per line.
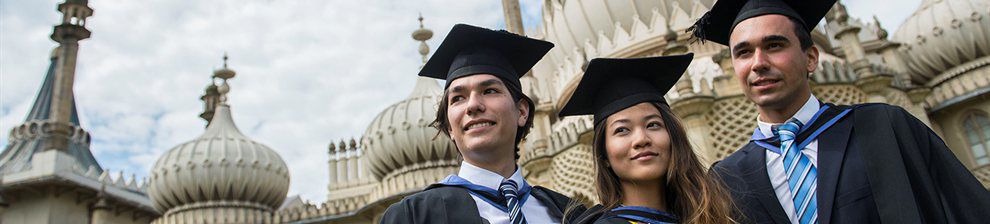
point(504, 165)
point(650, 194)
point(782, 113)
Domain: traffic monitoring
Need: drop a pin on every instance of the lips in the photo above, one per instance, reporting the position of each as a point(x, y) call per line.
point(763, 82)
point(645, 154)
point(475, 124)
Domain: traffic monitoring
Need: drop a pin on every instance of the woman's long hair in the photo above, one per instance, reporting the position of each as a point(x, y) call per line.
point(693, 194)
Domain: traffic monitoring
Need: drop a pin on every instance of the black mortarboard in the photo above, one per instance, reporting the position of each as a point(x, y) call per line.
point(469, 50)
point(610, 85)
point(717, 24)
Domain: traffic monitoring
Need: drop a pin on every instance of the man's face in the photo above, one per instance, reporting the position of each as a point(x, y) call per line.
point(483, 116)
point(769, 62)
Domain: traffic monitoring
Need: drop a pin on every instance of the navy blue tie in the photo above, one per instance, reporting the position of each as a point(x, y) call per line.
point(508, 188)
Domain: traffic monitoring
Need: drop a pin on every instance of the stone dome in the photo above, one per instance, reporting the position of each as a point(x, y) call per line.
point(400, 139)
point(942, 34)
point(222, 167)
point(573, 24)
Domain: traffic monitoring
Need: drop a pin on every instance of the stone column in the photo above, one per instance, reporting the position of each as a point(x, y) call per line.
point(341, 157)
point(513, 18)
point(350, 156)
point(691, 107)
point(332, 163)
point(101, 210)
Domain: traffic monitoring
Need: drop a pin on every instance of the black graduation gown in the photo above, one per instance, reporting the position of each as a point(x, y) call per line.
point(877, 164)
point(598, 215)
point(450, 204)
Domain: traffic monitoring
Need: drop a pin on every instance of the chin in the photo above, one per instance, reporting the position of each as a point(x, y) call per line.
point(650, 173)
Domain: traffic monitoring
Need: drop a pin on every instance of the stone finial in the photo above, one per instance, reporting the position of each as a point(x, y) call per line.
point(353, 144)
point(839, 13)
point(881, 33)
point(422, 35)
point(684, 86)
point(332, 148)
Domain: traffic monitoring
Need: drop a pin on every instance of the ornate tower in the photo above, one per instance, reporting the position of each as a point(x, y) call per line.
point(53, 124)
point(68, 34)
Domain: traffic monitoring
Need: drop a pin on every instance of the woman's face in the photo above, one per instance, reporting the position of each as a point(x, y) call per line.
point(637, 143)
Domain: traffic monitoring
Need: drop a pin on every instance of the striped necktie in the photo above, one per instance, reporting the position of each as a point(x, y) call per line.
point(802, 176)
point(508, 189)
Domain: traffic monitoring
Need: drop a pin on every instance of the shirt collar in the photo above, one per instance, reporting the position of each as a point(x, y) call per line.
point(804, 115)
point(486, 178)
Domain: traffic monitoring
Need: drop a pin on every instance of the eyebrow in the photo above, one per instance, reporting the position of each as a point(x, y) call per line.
point(486, 83)
point(769, 38)
point(652, 116)
point(648, 117)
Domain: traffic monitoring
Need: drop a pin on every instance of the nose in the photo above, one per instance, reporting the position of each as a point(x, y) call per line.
point(760, 63)
point(475, 105)
point(642, 140)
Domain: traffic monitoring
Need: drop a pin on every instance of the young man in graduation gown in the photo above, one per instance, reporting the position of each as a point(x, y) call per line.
point(813, 162)
point(485, 113)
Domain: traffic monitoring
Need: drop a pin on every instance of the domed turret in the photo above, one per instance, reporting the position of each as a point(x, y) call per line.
point(404, 152)
point(221, 176)
point(943, 34)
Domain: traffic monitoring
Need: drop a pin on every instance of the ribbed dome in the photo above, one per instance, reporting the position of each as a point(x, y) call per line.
point(220, 165)
point(401, 138)
point(942, 34)
point(572, 23)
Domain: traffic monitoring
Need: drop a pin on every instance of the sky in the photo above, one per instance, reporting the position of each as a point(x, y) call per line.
point(309, 72)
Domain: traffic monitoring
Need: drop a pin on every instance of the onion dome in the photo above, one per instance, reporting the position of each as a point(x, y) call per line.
point(575, 23)
point(401, 138)
point(222, 168)
point(943, 34)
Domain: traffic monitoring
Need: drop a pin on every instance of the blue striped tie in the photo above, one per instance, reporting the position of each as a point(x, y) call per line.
point(508, 190)
point(802, 176)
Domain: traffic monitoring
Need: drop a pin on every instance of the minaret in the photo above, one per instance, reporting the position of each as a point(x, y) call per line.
point(513, 19)
point(52, 126)
point(68, 34)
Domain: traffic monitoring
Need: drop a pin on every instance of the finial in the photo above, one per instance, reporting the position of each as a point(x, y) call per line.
point(881, 33)
point(420, 20)
point(224, 73)
point(421, 35)
point(225, 59)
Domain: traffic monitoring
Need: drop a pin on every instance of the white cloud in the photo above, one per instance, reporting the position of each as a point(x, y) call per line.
point(310, 72)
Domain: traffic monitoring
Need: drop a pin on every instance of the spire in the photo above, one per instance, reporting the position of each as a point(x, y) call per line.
point(424, 86)
point(53, 123)
point(422, 35)
point(513, 17)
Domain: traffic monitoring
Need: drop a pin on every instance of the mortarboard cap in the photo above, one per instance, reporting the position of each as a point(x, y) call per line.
point(717, 24)
point(610, 85)
point(469, 50)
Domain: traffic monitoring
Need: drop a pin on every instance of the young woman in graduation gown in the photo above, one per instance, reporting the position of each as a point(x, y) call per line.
point(647, 171)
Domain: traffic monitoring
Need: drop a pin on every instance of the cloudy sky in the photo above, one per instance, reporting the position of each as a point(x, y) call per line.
point(308, 71)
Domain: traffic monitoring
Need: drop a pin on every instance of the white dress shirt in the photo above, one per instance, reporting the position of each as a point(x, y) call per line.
point(532, 209)
point(775, 162)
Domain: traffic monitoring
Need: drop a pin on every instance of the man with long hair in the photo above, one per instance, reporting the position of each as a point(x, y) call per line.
point(485, 113)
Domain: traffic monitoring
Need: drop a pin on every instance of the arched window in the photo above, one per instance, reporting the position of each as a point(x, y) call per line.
point(977, 131)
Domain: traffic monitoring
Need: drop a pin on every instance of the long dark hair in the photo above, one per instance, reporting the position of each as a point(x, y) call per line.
point(692, 193)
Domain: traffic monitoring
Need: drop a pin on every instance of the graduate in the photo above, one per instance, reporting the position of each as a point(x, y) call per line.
point(647, 171)
point(810, 161)
point(486, 114)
